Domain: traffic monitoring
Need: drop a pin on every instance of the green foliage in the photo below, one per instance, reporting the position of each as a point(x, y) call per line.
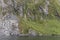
point(46, 27)
point(49, 25)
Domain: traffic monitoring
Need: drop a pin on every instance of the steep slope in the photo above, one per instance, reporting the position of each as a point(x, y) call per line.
point(40, 15)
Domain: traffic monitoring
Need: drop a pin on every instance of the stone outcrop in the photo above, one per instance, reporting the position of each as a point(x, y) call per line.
point(9, 25)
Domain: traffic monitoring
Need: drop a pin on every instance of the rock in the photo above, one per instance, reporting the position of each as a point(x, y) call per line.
point(32, 32)
point(9, 25)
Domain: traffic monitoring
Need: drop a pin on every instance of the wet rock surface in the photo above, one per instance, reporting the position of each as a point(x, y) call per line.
point(8, 38)
point(14, 37)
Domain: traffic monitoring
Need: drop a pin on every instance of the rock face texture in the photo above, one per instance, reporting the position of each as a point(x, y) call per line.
point(8, 22)
point(9, 26)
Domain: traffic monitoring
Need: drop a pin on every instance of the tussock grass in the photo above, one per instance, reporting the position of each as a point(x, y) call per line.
point(47, 27)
